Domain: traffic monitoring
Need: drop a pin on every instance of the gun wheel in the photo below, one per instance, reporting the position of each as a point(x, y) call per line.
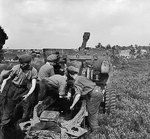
point(109, 101)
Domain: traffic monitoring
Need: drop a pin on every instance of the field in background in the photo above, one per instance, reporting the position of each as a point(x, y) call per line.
point(12, 53)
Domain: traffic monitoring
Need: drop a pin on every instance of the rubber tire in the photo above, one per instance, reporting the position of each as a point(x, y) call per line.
point(109, 101)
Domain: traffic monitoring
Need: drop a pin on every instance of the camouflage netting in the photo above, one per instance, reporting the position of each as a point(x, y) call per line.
point(43, 134)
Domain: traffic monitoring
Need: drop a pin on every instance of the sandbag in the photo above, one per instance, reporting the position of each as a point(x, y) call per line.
point(105, 67)
point(102, 66)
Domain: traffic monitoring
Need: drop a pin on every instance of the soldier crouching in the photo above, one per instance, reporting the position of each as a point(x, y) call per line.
point(52, 89)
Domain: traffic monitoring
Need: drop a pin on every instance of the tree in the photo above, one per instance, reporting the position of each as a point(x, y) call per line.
point(132, 50)
point(99, 45)
point(108, 46)
point(3, 38)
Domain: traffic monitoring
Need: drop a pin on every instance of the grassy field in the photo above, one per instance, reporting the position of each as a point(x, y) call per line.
point(132, 117)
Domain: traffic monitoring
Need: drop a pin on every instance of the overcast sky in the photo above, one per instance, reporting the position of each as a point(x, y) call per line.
point(61, 23)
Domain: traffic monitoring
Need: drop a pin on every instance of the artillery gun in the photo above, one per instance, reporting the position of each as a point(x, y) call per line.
point(94, 69)
point(99, 71)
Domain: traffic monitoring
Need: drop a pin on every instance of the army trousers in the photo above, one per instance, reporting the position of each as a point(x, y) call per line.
point(93, 104)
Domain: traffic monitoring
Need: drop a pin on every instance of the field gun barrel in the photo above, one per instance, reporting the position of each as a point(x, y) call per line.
point(86, 37)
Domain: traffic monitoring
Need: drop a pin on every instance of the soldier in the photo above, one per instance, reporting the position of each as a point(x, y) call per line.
point(55, 83)
point(58, 54)
point(59, 66)
point(52, 88)
point(16, 89)
point(47, 69)
point(89, 91)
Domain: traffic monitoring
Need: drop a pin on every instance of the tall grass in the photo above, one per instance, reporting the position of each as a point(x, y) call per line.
point(132, 117)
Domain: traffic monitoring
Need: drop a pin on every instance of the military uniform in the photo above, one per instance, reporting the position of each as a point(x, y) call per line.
point(47, 69)
point(16, 87)
point(50, 90)
point(57, 83)
point(93, 95)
